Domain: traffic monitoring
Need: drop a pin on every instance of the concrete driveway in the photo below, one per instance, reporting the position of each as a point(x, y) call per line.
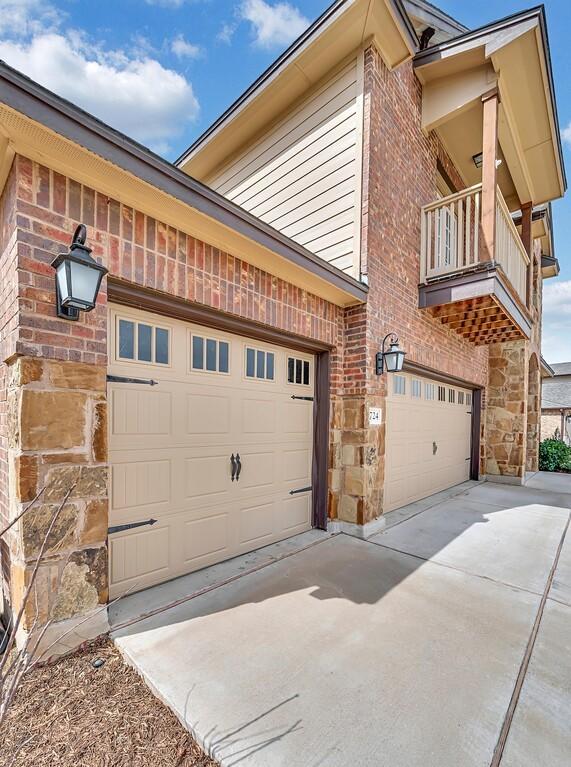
point(444, 641)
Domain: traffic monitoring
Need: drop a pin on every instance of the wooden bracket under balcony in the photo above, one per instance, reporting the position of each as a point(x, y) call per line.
point(479, 306)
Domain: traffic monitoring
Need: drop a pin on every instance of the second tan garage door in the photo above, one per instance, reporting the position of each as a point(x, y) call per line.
point(171, 445)
point(428, 431)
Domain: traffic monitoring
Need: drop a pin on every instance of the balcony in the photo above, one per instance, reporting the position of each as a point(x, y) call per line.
point(480, 295)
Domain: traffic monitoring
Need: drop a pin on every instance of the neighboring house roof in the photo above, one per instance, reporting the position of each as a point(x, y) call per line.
point(556, 391)
point(44, 126)
point(561, 368)
point(337, 33)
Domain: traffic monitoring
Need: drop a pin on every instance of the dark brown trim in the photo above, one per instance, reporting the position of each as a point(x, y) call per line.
point(423, 370)
point(137, 297)
point(476, 434)
point(37, 103)
point(320, 440)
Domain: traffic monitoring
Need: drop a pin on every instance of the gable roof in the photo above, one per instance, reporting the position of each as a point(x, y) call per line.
point(45, 127)
point(561, 368)
point(555, 394)
point(339, 31)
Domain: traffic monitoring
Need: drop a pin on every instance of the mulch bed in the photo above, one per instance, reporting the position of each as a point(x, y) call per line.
point(70, 714)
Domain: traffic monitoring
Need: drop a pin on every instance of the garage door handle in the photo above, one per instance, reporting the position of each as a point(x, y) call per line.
point(233, 462)
point(239, 463)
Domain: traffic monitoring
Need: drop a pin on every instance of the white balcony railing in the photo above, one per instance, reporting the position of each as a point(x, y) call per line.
point(510, 252)
point(450, 233)
point(451, 238)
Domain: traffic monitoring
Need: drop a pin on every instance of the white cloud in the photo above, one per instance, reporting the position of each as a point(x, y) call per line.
point(566, 134)
point(226, 33)
point(556, 346)
point(273, 25)
point(19, 18)
point(136, 95)
point(183, 49)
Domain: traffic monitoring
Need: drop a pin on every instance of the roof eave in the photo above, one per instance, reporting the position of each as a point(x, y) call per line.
point(40, 105)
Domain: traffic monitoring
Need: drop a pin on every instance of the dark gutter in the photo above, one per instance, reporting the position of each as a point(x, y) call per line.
point(547, 367)
point(312, 31)
point(433, 54)
point(41, 105)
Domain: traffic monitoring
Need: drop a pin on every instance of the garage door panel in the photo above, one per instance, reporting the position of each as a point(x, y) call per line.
point(170, 447)
point(259, 415)
point(205, 537)
point(140, 412)
point(140, 483)
point(208, 414)
point(296, 513)
point(296, 464)
point(139, 555)
point(259, 470)
point(207, 476)
point(297, 417)
point(414, 427)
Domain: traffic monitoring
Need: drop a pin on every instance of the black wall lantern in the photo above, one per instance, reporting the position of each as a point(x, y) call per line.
point(392, 359)
point(78, 278)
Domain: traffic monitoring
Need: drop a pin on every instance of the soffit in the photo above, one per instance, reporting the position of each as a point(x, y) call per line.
point(348, 26)
point(528, 133)
point(37, 142)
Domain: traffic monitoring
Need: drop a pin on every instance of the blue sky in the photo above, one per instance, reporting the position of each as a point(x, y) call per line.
point(163, 70)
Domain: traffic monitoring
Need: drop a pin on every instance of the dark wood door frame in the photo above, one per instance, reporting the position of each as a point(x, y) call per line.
point(137, 297)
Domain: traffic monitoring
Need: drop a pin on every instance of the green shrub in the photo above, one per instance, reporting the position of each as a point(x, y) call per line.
point(554, 455)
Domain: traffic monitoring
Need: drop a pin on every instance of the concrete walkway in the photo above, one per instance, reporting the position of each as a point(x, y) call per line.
point(444, 641)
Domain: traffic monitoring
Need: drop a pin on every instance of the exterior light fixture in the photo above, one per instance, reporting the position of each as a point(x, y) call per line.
point(78, 278)
point(478, 160)
point(392, 359)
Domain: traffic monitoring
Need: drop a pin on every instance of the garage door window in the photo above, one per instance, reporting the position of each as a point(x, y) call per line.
point(468, 398)
point(429, 391)
point(452, 396)
point(460, 397)
point(209, 354)
point(399, 384)
point(416, 388)
point(298, 371)
point(442, 394)
point(140, 342)
point(260, 364)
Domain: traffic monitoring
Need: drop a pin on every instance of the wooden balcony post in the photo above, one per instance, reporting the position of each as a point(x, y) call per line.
point(490, 101)
point(526, 212)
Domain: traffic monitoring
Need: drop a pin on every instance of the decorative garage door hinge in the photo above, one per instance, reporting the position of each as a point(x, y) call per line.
point(307, 399)
point(125, 379)
point(130, 526)
point(300, 490)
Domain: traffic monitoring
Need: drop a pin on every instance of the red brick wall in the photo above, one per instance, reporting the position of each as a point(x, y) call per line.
point(141, 250)
point(402, 169)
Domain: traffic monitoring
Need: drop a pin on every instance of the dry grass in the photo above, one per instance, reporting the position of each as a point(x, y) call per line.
point(70, 714)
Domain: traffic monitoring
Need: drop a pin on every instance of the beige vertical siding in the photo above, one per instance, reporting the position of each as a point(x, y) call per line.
point(303, 177)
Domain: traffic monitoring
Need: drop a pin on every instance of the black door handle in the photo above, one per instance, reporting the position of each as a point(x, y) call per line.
point(233, 462)
point(239, 462)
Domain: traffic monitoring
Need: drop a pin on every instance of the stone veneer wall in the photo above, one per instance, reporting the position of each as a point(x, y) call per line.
point(511, 421)
point(56, 368)
point(399, 173)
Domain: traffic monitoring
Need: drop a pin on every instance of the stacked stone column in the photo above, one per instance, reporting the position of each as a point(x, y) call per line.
point(57, 429)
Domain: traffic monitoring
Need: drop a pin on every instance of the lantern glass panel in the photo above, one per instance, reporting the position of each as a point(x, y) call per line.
point(83, 283)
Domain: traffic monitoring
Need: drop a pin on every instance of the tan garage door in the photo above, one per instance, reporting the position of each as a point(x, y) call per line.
point(428, 432)
point(171, 444)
